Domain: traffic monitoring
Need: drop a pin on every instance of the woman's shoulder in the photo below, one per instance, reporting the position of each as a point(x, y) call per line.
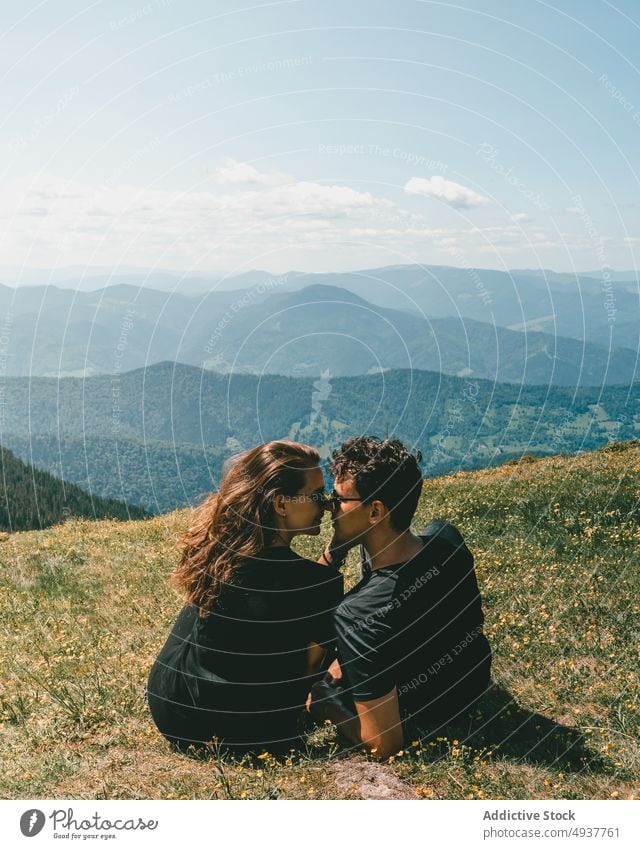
point(281, 569)
point(314, 571)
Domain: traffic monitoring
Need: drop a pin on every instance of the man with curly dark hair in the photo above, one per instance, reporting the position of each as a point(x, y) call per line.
point(409, 635)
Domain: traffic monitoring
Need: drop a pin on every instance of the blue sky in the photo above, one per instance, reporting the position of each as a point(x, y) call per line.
point(320, 135)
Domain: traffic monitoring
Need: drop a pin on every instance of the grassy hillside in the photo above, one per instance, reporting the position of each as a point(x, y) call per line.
point(85, 609)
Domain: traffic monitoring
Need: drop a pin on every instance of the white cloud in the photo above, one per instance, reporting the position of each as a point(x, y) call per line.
point(47, 220)
point(460, 197)
point(235, 173)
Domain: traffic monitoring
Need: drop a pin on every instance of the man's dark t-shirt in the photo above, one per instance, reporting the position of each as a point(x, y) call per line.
point(416, 626)
point(240, 673)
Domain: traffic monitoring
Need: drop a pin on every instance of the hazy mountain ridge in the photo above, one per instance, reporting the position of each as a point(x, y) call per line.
point(314, 325)
point(324, 327)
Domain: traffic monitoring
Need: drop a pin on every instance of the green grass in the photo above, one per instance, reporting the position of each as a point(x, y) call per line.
point(85, 608)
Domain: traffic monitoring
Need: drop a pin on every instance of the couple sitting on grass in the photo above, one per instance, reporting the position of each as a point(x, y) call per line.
point(265, 633)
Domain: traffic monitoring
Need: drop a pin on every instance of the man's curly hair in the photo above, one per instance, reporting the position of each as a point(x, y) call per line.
point(382, 469)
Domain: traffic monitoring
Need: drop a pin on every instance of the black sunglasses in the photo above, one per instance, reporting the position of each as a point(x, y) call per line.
point(329, 502)
point(334, 500)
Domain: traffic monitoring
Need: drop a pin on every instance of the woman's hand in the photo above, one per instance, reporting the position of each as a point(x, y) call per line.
point(320, 698)
point(336, 552)
point(334, 673)
point(334, 555)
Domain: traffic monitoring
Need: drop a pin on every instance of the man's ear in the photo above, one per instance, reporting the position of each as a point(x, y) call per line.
point(278, 504)
point(377, 512)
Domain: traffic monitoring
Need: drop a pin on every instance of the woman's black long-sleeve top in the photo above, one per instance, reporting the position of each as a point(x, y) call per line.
point(240, 673)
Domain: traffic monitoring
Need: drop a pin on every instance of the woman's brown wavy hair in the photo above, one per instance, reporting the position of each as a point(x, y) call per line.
point(238, 521)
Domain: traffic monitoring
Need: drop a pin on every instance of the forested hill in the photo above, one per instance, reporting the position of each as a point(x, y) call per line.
point(186, 404)
point(33, 499)
point(157, 437)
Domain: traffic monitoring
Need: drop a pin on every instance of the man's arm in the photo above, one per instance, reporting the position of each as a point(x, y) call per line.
point(376, 724)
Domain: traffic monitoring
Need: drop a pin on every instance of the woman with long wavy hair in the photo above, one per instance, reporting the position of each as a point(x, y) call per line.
point(252, 636)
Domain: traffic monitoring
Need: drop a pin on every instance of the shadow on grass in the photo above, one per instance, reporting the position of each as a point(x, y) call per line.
point(500, 726)
point(497, 727)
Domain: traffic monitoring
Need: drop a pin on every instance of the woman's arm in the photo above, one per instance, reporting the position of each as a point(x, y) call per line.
point(315, 658)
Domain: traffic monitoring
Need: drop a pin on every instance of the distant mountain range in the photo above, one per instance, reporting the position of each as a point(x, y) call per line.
point(82, 279)
point(600, 309)
point(32, 498)
point(520, 327)
point(328, 328)
point(157, 437)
